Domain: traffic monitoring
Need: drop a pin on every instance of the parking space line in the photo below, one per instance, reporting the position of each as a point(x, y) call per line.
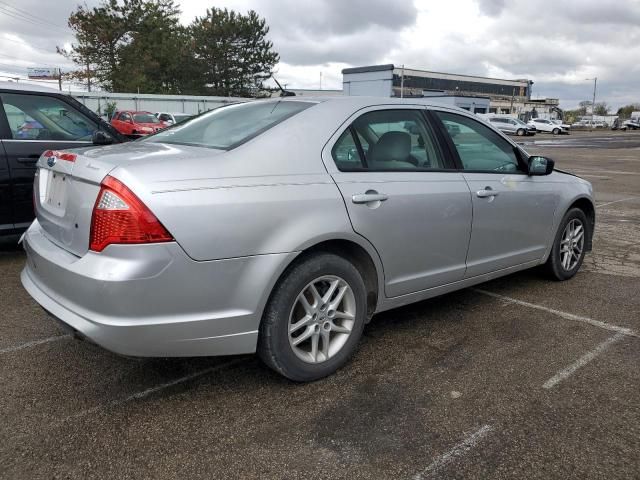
point(616, 201)
point(460, 449)
point(560, 313)
point(33, 343)
point(145, 393)
point(582, 361)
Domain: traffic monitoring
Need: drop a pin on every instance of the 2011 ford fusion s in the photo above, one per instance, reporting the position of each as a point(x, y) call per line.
point(282, 226)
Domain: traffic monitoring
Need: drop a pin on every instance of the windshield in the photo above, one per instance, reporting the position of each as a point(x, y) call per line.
point(520, 122)
point(227, 127)
point(145, 118)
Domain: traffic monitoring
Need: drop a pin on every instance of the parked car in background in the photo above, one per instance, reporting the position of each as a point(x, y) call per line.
point(512, 126)
point(357, 205)
point(34, 119)
point(136, 124)
point(173, 118)
point(544, 125)
point(632, 124)
point(561, 124)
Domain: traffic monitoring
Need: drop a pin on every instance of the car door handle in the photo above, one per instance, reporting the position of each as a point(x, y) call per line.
point(487, 192)
point(369, 197)
point(29, 159)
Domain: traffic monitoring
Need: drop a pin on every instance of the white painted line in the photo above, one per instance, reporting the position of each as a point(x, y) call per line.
point(560, 313)
point(149, 391)
point(616, 201)
point(582, 361)
point(460, 449)
point(34, 343)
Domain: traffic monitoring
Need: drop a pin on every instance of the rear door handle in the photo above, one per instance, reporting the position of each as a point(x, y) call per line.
point(487, 192)
point(369, 197)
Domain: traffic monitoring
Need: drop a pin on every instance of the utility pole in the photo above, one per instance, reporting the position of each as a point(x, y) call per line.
point(60, 79)
point(593, 103)
point(402, 82)
point(513, 93)
point(320, 80)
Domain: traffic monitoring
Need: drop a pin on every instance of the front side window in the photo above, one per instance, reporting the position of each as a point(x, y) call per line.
point(388, 140)
point(40, 117)
point(479, 148)
point(228, 127)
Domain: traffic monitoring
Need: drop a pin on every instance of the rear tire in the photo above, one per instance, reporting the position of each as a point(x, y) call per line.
point(314, 319)
point(568, 251)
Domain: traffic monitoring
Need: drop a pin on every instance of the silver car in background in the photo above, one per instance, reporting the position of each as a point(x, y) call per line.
point(511, 126)
point(282, 226)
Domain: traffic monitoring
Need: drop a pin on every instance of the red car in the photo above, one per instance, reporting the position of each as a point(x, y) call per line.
point(136, 123)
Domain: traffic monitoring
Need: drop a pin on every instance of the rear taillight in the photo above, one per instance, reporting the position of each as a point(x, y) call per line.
point(121, 217)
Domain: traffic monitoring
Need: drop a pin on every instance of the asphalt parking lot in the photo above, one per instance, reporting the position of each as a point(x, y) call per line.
point(520, 377)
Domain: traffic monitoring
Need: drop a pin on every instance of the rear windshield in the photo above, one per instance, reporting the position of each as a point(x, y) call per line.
point(227, 127)
point(145, 118)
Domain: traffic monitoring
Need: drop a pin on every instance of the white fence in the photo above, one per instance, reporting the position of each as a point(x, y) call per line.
point(191, 104)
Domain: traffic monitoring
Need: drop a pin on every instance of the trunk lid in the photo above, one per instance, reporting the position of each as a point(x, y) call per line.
point(65, 190)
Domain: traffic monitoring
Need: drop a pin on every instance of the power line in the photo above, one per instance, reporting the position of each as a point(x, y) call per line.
point(26, 13)
point(24, 18)
point(22, 42)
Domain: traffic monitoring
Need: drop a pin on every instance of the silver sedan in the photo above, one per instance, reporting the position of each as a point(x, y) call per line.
point(283, 226)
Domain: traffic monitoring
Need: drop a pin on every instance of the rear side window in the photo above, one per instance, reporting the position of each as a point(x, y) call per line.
point(388, 140)
point(41, 117)
point(228, 127)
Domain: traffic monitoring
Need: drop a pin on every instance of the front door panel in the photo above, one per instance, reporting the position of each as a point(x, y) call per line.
point(512, 227)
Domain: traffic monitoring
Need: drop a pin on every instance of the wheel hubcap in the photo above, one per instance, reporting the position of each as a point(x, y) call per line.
point(322, 319)
point(572, 244)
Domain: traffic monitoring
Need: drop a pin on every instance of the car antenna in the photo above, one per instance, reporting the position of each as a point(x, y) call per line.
point(283, 92)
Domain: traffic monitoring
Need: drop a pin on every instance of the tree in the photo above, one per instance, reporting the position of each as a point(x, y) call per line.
point(232, 52)
point(601, 108)
point(140, 45)
point(625, 112)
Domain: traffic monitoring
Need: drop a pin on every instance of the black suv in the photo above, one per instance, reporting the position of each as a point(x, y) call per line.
point(33, 120)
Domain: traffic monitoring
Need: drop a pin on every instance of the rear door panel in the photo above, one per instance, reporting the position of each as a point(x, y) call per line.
point(6, 200)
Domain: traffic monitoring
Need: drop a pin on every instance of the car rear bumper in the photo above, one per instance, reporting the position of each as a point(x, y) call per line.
point(152, 300)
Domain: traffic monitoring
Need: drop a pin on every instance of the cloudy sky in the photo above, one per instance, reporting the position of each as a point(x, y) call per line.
point(557, 44)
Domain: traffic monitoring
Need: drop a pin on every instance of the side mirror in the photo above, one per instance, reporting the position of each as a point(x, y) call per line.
point(540, 165)
point(101, 138)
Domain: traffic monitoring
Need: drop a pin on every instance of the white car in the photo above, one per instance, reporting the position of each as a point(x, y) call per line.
point(544, 125)
point(560, 123)
point(172, 118)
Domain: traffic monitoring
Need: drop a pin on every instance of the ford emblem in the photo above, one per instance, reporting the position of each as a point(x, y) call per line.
point(51, 161)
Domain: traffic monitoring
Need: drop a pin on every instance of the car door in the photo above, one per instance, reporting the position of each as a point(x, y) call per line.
point(6, 201)
point(512, 211)
point(403, 196)
point(36, 123)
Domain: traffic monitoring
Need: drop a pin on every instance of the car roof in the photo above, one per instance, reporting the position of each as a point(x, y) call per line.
point(27, 87)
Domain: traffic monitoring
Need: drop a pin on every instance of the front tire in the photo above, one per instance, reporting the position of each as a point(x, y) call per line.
point(568, 251)
point(556, 131)
point(314, 319)
point(520, 132)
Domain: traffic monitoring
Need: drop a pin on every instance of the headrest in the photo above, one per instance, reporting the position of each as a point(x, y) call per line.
point(392, 147)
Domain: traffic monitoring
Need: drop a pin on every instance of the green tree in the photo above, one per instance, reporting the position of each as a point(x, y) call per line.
point(625, 112)
point(232, 52)
point(601, 108)
point(131, 45)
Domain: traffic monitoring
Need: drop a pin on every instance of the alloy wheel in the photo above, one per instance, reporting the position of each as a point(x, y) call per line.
point(322, 319)
point(572, 244)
